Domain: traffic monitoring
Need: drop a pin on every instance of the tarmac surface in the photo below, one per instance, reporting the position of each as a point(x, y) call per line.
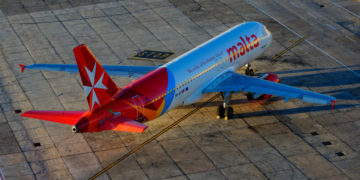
point(266, 140)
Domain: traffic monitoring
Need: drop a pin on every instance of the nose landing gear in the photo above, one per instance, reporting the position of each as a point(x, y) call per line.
point(249, 71)
point(225, 111)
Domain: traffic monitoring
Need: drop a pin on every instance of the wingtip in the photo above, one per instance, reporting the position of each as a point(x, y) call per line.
point(22, 67)
point(143, 129)
point(25, 114)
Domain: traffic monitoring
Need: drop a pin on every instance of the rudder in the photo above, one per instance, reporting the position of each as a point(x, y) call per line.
point(98, 86)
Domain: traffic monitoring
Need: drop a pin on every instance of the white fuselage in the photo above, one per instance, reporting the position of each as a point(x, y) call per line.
point(194, 70)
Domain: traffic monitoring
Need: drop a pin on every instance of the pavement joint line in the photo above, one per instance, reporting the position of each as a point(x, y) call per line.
point(22, 90)
point(170, 25)
point(205, 154)
point(217, 18)
point(71, 35)
point(47, 39)
point(99, 35)
point(288, 124)
point(78, 82)
point(53, 47)
point(290, 47)
point(154, 137)
point(142, 23)
point(172, 160)
point(290, 164)
point(338, 138)
point(312, 44)
point(110, 17)
point(242, 153)
point(342, 7)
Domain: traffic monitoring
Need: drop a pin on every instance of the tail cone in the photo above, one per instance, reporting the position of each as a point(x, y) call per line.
point(75, 129)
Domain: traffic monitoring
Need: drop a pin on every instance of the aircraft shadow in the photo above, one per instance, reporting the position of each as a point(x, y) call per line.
point(322, 79)
point(294, 110)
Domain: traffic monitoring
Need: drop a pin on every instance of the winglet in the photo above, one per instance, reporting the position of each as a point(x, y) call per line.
point(332, 104)
point(22, 67)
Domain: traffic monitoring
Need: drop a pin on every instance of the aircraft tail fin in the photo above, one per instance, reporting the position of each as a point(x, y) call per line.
point(98, 86)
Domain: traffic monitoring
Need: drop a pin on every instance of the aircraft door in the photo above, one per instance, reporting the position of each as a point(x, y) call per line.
point(139, 107)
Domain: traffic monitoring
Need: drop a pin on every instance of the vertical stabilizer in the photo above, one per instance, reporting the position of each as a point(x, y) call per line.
point(98, 86)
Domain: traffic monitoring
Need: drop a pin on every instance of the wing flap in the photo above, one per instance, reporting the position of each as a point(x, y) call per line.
point(63, 117)
point(233, 82)
point(123, 124)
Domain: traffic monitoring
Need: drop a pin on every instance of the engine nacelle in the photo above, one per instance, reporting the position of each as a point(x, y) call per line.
point(269, 77)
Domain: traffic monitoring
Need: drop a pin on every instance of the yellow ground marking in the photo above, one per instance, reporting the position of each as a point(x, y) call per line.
point(290, 47)
point(153, 137)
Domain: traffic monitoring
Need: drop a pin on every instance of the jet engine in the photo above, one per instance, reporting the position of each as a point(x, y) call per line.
point(269, 77)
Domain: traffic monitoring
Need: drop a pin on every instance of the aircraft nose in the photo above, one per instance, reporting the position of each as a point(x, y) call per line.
point(75, 129)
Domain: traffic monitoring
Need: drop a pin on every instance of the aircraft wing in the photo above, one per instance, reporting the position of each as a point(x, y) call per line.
point(112, 70)
point(234, 82)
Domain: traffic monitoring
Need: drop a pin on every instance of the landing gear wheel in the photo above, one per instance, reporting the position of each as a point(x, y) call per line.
point(250, 96)
point(220, 112)
point(262, 97)
point(252, 72)
point(229, 113)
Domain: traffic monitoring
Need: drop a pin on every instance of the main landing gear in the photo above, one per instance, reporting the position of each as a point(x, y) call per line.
point(225, 111)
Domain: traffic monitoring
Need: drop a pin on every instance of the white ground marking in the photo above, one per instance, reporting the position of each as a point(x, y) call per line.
point(331, 26)
point(294, 4)
point(350, 39)
point(338, 5)
point(312, 15)
point(321, 50)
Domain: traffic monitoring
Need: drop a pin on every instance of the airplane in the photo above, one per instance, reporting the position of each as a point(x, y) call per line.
point(208, 68)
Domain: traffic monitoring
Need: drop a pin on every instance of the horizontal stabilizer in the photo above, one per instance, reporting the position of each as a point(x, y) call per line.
point(112, 70)
point(63, 117)
point(126, 125)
